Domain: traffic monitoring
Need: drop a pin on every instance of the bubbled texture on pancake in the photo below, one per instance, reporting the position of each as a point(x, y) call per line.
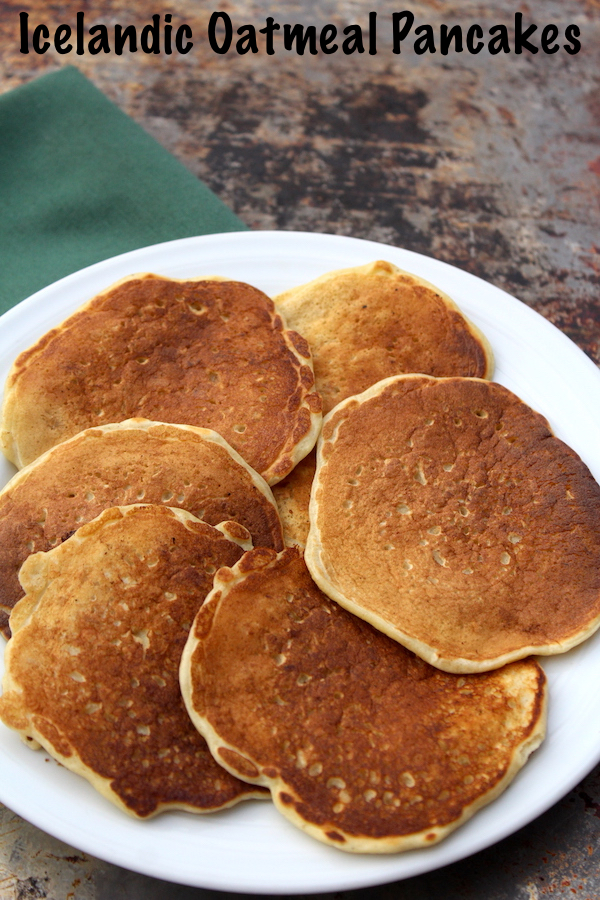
point(292, 496)
point(211, 353)
point(116, 465)
point(370, 322)
point(446, 513)
point(92, 667)
point(362, 744)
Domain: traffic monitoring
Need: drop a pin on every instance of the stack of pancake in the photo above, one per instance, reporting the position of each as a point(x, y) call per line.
point(356, 643)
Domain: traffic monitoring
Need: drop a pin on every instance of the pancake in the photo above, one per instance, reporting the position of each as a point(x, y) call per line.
point(119, 464)
point(362, 744)
point(205, 352)
point(292, 496)
point(92, 667)
point(447, 514)
point(369, 322)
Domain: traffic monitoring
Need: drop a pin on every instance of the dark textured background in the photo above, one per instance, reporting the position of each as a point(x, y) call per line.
point(489, 163)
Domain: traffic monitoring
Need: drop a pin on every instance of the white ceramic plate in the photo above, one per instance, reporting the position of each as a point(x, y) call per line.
point(251, 848)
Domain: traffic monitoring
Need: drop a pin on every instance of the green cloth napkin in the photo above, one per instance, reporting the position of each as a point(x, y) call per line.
point(80, 182)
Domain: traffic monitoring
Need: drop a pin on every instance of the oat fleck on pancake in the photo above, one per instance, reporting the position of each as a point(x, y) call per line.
point(447, 514)
point(369, 322)
point(205, 352)
point(119, 464)
point(363, 745)
point(92, 667)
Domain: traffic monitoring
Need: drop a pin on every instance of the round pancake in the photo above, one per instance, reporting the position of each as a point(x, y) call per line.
point(92, 667)
point(369, 322)
point(119, 464)
point(447, 514)
point(205, 352)
point(292, 496)
point(362, 744)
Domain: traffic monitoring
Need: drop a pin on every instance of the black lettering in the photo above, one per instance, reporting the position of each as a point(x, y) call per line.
point(473, 32)
point(372, 33)
point(572, 32)
point(446, 38)
point(80, 35)
point(354, 41)
point(302, 37)
point(100, 42)
point(212, 33)
point(549, 35)
point(23, 19)
point(426, 43)
point(268, 30)
point(153, 32)
point(328, 34)
point(121, 36)
point(168, 31)
point(399, 34)
point(61, 36)
point(247, 40)
point(501, 42)
point(183, 31)
point(40, 32)
point(521, 36)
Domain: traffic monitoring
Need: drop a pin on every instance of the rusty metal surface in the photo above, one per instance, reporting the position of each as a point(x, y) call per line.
point(491, 164)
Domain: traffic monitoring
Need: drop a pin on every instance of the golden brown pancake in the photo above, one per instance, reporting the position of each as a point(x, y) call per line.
point(369, 322)
point(362, 744)
point(205, 352)
point(92, 667)
point(119, 464)
point(447, 514)
point(292, 496)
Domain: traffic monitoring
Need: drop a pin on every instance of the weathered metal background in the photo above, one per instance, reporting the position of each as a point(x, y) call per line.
point(489, 163)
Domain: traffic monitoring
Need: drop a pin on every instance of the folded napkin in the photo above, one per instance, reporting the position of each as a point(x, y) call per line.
point(80, 181)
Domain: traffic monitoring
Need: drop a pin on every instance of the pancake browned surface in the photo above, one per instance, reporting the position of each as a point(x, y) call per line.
point(292, 496)
point(92, 667)
point(369, 322)
point(363, 745)
point(119, 464)
point(209, 352)
point(447, 514)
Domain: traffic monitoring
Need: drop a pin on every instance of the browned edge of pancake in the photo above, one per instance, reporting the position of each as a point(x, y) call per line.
point(323, 576)
point(34, 575)
point(13, 551)
point(300, 440)
point(244, 766)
